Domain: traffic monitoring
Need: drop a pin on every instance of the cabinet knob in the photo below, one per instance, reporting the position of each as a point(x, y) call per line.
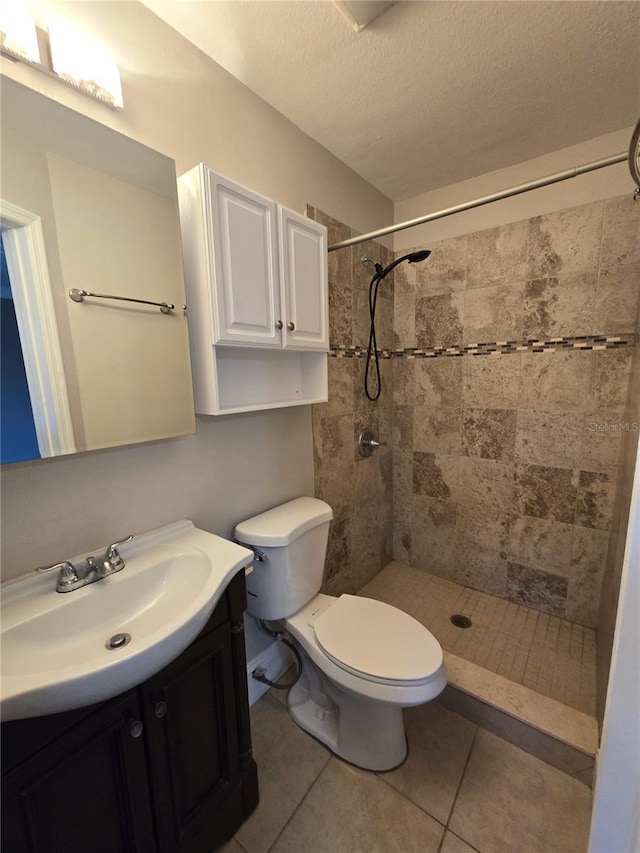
point(135, 728)
point(279, 324)
point(160, 709)
point(291, 326)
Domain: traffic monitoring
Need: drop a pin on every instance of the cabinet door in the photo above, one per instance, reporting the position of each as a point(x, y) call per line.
point(190, 714)
point(243, 256)
point(304, 288)
point(86, 790)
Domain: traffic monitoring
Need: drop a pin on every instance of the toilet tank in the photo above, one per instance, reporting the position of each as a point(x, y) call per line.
point(293, 540)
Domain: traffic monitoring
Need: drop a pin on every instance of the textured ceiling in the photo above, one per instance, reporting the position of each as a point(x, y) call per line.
point(430, 93)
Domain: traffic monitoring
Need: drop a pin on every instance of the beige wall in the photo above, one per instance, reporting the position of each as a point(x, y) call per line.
point(594, 186)
point(179, 102)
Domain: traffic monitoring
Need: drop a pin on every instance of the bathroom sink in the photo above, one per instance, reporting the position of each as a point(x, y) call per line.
point(55, 646)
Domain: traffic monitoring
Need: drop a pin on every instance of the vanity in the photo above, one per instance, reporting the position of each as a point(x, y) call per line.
point(165, 766)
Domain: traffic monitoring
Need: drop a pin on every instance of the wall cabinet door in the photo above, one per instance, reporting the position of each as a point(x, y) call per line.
point(303, 281)
point(86, 790)
point(243, 255)
point(191, 719)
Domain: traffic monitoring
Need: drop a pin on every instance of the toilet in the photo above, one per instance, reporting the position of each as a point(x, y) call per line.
point(363, 661)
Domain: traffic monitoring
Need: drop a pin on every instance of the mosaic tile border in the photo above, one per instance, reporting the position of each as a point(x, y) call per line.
point(580, 342)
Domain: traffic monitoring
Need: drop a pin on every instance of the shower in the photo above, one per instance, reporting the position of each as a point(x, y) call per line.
point(372, 349)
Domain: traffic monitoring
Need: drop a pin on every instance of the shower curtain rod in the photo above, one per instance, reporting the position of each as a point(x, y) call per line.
point(487, 199)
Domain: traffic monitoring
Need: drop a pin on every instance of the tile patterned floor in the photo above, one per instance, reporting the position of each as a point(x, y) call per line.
point(547, 654)
point(461, 789)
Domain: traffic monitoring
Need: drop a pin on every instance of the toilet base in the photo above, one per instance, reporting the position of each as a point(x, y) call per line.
point(369, 734)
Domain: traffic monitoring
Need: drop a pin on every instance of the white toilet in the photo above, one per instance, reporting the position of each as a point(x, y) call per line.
point(363, 660)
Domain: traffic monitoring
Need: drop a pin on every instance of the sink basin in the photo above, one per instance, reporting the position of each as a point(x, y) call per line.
point(55, 654)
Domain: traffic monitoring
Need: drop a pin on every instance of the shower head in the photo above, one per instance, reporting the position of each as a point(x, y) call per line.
point(412, 257)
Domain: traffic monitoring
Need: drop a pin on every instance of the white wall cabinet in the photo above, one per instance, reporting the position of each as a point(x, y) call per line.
point(257, 297)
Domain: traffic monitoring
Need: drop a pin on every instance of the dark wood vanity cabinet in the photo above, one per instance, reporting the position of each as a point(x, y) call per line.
point(164, 768)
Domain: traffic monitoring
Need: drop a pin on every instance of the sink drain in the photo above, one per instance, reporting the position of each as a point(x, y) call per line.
point(461, 621)
point(118, 641)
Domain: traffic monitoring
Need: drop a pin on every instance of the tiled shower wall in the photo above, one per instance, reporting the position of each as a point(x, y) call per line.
point(505, 464)
point(359, 490)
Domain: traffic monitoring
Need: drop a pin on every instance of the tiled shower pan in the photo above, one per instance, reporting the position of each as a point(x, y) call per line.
point(524, 675)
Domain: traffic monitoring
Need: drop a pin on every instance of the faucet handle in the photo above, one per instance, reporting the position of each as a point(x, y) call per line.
point(67, 569)
point(112, 552)
point(67, 577)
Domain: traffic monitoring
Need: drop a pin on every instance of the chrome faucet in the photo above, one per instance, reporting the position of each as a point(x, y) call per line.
point(74, 577)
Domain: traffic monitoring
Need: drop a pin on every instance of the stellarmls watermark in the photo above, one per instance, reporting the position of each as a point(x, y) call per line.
point(608, 426)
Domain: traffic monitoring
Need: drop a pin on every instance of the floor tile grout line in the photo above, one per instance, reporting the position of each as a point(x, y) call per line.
point(409, 800)
point(308, 791)
point(462, 775)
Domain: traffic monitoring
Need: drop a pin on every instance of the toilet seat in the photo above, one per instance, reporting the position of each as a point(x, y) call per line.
point(378, 642)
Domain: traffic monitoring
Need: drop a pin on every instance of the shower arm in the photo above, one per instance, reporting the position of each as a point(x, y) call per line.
point(478, 202)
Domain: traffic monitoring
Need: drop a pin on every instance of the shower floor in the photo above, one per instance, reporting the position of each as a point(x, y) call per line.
point(549, 655)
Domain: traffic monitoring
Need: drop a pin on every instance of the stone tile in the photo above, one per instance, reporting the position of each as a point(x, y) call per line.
point(285, 774)
point(404, 306)
point(489, 433)
point(360, 319)
point(545, 492)
point(497, 255)
point(481, 552)
point(566, 241)
point(384, 323)
point(510, 800)
point(555, 381)
point(340, 269)
point(437, 430)
point(560, 305)
point(541, 543)
point(348, 809)
point(338, 547)
point(493, 313)
point(402, 538)
point(337, 438)
point(340, 314)
point(435, 476)
point(602, 436)
point(489, 381)
point(363, 419)
point(402, 486)
point(453, 844)
point(445, 269)
point(439, 744)
point(588, 557)
point(616, 305)
point(610, 378)
point(596, 497)
point(402, 428)
point(402, 370)
point(620, 232)
point(546, 438)
point(439, 320)
point(340, 386)
point(535, 588)
point(362, 273)
point(486, 485)
point(335, 486)
point(433, 534)
point(438, 381)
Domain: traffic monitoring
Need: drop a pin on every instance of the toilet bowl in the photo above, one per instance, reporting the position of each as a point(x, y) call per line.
point(363, 661)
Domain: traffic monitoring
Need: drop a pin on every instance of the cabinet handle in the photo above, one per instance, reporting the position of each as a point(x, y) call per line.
point(135, 728)
point(279, 324)
point(291, 326)
point(160, 709)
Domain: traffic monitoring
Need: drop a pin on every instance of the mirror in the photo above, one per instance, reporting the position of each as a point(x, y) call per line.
point(86, 208)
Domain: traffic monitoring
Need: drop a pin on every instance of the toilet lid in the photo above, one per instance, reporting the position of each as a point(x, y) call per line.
point(377, 640)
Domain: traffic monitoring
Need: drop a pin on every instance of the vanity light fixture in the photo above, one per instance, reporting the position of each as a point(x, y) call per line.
point(18, 36)
point(84, 64)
